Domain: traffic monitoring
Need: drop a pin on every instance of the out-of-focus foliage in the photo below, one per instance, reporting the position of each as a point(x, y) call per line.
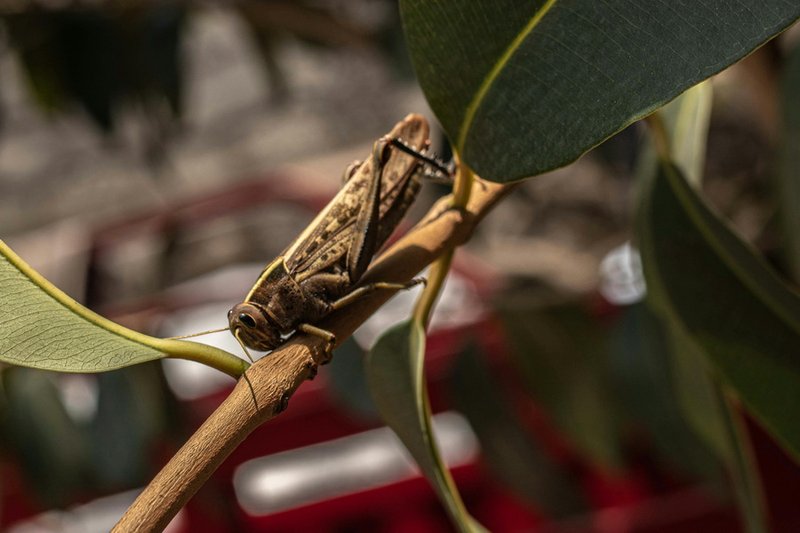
point(518, 460)
point(116, 58)
point(727, 299)
point(562, 353)
point(788, 169)
point(103, 59)
point(65, 454)
point(397, 384)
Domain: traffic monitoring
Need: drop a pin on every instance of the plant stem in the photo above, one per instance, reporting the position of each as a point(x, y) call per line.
point(660, 136)
point(437, 274)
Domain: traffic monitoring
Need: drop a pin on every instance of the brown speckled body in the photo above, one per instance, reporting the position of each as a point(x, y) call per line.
point(329, 258)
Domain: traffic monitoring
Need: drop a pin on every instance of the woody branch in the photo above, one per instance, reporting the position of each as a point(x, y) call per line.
point(275, 378)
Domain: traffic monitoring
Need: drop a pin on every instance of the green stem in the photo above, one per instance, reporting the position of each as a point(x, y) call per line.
point(660, 135)
point(462, 189)
point(202, 353)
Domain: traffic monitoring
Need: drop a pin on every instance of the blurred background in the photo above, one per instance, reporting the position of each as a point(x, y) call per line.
point(155, 156)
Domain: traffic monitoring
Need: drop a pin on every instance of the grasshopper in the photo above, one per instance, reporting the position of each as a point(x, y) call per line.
point(318, 273)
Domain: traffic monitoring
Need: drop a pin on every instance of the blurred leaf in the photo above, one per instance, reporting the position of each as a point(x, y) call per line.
point(130, 418)
point(41, 327)
point(160, 52)
point(563, 356)
point(726, 298)
point(90, 57)
point(347, 377)
point(687, 119)
point(788, 173)
point(396, 381)
point(100, 58)
point(720, 426)
point(512, 454)
point(308, 21)
point(705, 409)
point(525, 87)
point(33, 36)
point(52, 449)
point(700, 397)
point(641, 360)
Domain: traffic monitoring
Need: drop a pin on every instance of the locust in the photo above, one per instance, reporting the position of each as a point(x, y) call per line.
point(319, 272)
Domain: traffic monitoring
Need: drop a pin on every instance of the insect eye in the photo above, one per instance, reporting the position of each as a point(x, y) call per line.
point(247, 320)
point(230, 312)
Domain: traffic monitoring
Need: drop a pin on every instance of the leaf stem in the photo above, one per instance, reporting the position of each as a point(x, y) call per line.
point(660, 136)
point(744, 469)
point(202, 353)
point(462, 190)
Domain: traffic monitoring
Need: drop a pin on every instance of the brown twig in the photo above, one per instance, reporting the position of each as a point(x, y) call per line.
point(275, 378)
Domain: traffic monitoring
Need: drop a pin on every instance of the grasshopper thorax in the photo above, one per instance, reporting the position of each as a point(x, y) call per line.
point(253, 326)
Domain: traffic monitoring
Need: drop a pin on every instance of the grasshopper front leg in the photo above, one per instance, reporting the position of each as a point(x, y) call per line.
point(372, 287)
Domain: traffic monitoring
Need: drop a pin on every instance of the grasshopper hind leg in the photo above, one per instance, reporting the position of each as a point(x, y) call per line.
point(330, 337)
point(372, 287)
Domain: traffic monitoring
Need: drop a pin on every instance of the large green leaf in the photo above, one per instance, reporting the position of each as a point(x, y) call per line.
point(702, 400)
point(397, 383)
point(41, 327)
point(524, 87)
point(728, 301)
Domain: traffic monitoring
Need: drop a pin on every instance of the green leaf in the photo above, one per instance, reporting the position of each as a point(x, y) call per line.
point(699, 395)
point(41, 327)
point(525, 87)
point(514, 456)
point(728, 301)
point(718, 423)
point(642, 361)
point(562, 354)
point(397, 383)
point(50, 447)
point(686, 120)
point(788, 172)
point(348, 381)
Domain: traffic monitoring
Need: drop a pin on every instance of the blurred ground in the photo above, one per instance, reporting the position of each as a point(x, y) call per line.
point(62, 167)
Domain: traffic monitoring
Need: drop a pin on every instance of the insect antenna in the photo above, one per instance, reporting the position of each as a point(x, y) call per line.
point(440, 166)
point(198, 334)
point(236, 334)
point(244, 375)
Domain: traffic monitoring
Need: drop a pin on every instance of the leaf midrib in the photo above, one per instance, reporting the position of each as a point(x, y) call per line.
point(493, 74)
